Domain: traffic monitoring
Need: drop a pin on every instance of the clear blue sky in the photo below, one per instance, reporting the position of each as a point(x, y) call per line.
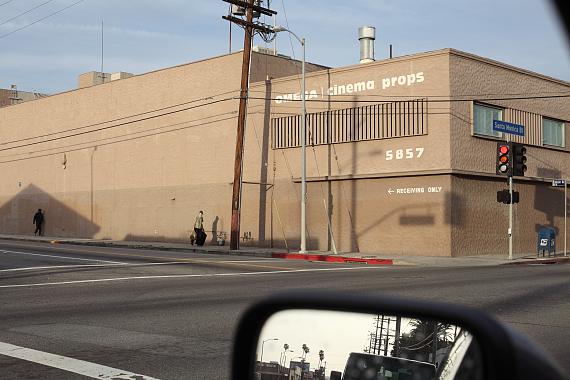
point(145, 35)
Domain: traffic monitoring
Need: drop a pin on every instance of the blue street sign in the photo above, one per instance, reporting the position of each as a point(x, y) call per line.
point(505, 127)
point(558, 182)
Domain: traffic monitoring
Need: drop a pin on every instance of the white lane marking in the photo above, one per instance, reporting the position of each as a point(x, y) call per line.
point(63, 267)
point(65, 363)
point(126, 265)
point(61, 257)
point(187, 276)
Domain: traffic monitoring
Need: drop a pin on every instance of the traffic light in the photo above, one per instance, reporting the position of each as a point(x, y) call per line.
point(519, 159)
point(504, 159)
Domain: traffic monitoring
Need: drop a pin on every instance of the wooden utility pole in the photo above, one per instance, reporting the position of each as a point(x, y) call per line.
point(250, 27)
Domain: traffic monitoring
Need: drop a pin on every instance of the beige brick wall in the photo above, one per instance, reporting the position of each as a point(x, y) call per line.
point(146, 180)
point(141, 180)
point(481, 226)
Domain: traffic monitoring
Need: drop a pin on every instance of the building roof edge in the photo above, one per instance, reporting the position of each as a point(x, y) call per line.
point(507, 66)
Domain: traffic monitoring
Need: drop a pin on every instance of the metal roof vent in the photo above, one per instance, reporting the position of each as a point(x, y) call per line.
point(366, 36)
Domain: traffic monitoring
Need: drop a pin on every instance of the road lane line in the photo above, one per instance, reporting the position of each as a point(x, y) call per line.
point(61, 257)
point(81, 367)
point(176, 276)
point(233, 262)
point(122, 265)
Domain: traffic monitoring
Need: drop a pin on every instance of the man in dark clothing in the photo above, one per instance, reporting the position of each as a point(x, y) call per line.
point(39, 222)
point(199, 229)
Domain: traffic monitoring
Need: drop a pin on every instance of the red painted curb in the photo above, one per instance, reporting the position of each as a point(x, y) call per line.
point(330, 259)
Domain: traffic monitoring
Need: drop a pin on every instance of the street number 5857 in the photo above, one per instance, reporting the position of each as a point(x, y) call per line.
point(400, 154)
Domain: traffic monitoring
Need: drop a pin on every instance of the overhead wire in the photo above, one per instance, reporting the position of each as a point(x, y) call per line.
point(437, 96)
point(115, 125)
point(41, 19)
point(111, 137)
point(99, 144)
point(428, 100)
point(6, 2)
point(26, 12)
point(69, 135)
point(118, 119)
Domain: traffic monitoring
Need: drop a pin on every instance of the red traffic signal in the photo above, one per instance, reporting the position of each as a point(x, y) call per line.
point(504, 159)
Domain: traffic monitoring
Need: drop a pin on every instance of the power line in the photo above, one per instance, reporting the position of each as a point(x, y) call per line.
point(26, 12)
point(117, 119)
point(41, 19)
point(434, 96)
point(210, 103)
point(428, 100)
point(118, 141)
point(114, 126)
point(9, 1)
point(113, 137)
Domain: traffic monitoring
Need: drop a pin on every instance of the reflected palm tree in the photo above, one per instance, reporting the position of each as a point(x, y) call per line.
point(305, 349)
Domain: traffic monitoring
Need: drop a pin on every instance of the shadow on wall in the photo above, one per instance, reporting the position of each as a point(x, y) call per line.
point(263, 170)
point(184, 237)
point(60, 220)
point(417, 220)
point(548, 199)
point(454, 208)
point(214, 234)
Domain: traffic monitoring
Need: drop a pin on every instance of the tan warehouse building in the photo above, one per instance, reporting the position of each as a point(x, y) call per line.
point(401, 157)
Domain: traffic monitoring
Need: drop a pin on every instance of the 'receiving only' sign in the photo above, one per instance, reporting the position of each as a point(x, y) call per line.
point(414, 190)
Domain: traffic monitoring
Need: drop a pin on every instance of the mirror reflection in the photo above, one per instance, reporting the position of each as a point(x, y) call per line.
point(323, 345)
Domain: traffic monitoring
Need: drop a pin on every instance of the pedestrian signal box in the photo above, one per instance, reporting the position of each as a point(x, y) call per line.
point(504, 196)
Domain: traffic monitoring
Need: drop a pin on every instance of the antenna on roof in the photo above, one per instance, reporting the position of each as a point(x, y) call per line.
point(102, 50)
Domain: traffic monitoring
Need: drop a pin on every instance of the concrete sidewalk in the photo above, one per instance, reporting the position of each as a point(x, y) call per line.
point(344, 257)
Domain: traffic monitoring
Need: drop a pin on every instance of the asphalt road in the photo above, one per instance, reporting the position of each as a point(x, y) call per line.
point(172, 315)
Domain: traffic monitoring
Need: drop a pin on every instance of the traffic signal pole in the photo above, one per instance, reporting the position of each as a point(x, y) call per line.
point(510, 161)
point(510, 232)
point(511, 218)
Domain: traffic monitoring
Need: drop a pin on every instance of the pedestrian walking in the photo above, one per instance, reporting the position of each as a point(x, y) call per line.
point(39, 222)
point(199, 229)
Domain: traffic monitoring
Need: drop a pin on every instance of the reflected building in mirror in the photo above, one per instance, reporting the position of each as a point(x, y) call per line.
point(369, 346)
point(271, 371)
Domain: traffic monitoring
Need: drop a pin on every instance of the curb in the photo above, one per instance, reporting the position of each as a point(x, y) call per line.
point(330, 258)
point(545, 261)
point(274, 255)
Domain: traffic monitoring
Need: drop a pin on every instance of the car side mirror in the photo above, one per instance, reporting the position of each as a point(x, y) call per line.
point(322, 335)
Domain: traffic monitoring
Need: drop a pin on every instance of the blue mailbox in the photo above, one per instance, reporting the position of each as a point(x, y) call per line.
point(546, 241)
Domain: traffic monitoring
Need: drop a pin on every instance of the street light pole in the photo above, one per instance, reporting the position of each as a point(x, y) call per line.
point(262, 344)
point(303, 158)
point(303, 248)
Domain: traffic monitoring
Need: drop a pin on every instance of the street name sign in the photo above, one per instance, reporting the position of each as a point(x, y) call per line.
point(506, 127)
point(558, 182)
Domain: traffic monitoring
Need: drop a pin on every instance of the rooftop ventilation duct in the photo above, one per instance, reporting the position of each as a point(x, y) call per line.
point(366, 36)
